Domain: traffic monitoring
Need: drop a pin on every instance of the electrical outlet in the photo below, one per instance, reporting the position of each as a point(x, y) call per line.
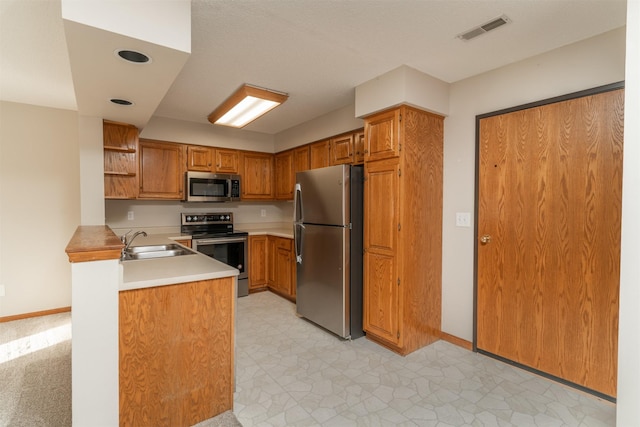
point(263, 212)
point(463, 219)
point(130, 215)
point(1, 290)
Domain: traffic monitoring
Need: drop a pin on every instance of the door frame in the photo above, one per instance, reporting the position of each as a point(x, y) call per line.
point(547, 101)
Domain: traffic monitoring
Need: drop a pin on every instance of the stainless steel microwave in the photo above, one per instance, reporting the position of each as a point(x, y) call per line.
point(211, 187)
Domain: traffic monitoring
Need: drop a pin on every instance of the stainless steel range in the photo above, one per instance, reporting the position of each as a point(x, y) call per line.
point(213, 235)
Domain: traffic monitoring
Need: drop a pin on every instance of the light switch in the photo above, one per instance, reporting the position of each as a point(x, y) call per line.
point(130, 215)
point(463, 219)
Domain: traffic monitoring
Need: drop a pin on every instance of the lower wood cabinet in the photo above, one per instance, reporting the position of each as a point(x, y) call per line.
point(176, 353)
point(272, 265)
point(282, 261)
point(257, 263)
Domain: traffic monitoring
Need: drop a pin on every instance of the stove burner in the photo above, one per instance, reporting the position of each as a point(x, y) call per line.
point(208, 225)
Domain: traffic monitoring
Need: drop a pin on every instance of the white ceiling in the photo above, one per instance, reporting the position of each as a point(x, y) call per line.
point(318, 51)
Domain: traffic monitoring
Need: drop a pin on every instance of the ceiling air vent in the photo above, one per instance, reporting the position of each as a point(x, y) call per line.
point(484, 28)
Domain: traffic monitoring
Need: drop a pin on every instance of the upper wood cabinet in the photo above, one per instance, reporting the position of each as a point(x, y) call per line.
point(285, 179)
point(403, 228)
point(226, 161)
point(210, 159)
point(319, 154)
point(120, 142)
point(300, 160)
point(383, 135)
point(281, 267)
point(200, 158)
point(358, 148)
point(341, 150)
point(162, 167)
point(257, 175)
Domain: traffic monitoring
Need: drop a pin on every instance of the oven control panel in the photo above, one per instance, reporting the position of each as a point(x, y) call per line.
point(207, 218)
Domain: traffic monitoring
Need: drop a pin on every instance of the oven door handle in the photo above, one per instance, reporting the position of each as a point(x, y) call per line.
point(222, 240)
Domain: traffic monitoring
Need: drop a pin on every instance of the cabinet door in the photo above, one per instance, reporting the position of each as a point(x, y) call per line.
point(358, 148)
point(319, 154)
point(257, 262)
point(300, 159)
point(284, 175)
point(226, 161)
point(382, 300)
point(382, 135)
point(342, 150)
point(271, 260)
point(200, 158)
point(283, 264)
point(257, 176)
point(161, 170)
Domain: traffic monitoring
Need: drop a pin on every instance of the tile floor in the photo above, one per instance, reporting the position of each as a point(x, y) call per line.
point(292, 373)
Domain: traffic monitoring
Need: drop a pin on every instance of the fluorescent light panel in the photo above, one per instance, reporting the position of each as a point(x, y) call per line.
point(245, 105)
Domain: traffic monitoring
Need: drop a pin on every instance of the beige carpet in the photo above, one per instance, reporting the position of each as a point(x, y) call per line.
point(35, 374)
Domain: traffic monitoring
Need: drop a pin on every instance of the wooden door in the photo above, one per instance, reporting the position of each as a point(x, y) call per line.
point(161, 170)
point(342, 150)
point(200, 158)
point(257, 262)
point(381, 307)
point(549, 204)
point(383, 135)
point(300, 160)
point(319, 154)
point(257, 175)
point(284, 175)
point(227, 161)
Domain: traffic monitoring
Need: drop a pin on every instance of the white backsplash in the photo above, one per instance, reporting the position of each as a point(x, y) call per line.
point(164, 216)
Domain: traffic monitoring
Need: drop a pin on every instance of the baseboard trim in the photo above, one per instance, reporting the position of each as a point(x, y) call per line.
point(34, 314)
point(456, 341)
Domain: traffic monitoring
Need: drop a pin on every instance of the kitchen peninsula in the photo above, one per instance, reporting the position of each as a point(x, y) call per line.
point(153, 340)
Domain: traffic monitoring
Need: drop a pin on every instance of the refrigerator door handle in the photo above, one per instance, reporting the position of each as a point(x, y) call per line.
point(298, 213)
point(298, 236)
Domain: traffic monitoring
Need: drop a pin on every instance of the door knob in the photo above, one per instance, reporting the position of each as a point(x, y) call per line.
point(485, 239)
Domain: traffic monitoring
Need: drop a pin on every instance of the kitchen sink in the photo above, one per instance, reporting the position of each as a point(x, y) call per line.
point(155, 251)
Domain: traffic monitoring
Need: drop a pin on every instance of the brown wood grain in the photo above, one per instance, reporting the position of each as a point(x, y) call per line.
point(176, 353)
point(403, 228)
point(227, 161)
point(342, 149)
point(319, 154)
point(257, 175)
point(161, 170)
point(550, 182)
point(93, 243)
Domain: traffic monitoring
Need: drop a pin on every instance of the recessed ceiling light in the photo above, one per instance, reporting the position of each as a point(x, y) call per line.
point(133, 56)
point(121, 101)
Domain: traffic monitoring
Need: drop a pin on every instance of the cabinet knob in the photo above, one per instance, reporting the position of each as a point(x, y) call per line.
point(366, 151)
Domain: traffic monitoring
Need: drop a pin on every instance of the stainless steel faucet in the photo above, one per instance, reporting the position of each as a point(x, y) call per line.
point(127, 244)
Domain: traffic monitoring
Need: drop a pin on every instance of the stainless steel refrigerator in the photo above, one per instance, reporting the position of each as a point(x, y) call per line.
point(328, 245)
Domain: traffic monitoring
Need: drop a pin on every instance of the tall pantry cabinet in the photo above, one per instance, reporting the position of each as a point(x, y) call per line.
point(403, 228)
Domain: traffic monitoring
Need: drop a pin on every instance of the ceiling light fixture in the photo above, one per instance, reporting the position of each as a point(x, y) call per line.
point(245, 105)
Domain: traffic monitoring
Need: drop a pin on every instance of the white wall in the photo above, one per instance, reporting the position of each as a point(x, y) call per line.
point(330, 124)
point(593, 62)
point(164, 216)
point(39, 206)
point(206, 134)
point(628, 409)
